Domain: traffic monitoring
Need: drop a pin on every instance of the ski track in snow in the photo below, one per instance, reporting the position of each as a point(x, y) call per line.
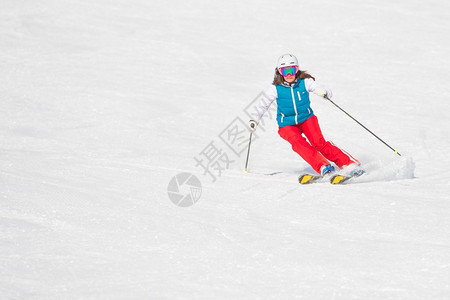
point(104, 102)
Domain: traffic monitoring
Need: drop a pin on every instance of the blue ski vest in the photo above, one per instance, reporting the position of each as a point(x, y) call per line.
point(294, 106)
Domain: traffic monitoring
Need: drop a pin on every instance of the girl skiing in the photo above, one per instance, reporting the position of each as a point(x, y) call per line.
point(291, 88)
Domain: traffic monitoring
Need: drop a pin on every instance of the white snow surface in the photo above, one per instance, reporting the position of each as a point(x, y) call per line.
point(104, 102)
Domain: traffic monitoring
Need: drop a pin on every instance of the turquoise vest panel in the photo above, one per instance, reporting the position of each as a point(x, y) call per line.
point(294, 106)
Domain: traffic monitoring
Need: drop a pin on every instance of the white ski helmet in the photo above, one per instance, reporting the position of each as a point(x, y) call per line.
point(287, 60)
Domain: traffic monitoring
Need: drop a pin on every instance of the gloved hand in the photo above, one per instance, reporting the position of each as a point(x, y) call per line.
point(252, 124)
point(323, 92)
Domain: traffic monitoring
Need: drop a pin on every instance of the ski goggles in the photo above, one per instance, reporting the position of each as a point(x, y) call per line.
point(292, 70)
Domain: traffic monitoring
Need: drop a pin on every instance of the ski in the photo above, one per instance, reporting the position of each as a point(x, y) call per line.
point(308, 178)
point(340, 179)
point(334, 179)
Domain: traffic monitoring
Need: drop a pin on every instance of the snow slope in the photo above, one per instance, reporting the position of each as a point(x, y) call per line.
point(104, 102)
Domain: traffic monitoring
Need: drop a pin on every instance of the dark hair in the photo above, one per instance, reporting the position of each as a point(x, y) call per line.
point(278, 78)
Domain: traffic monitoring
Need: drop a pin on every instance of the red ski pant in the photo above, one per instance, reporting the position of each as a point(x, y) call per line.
point(317, 152)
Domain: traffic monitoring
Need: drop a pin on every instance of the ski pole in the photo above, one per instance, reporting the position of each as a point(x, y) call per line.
point(248, 152)
point(395, 151)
